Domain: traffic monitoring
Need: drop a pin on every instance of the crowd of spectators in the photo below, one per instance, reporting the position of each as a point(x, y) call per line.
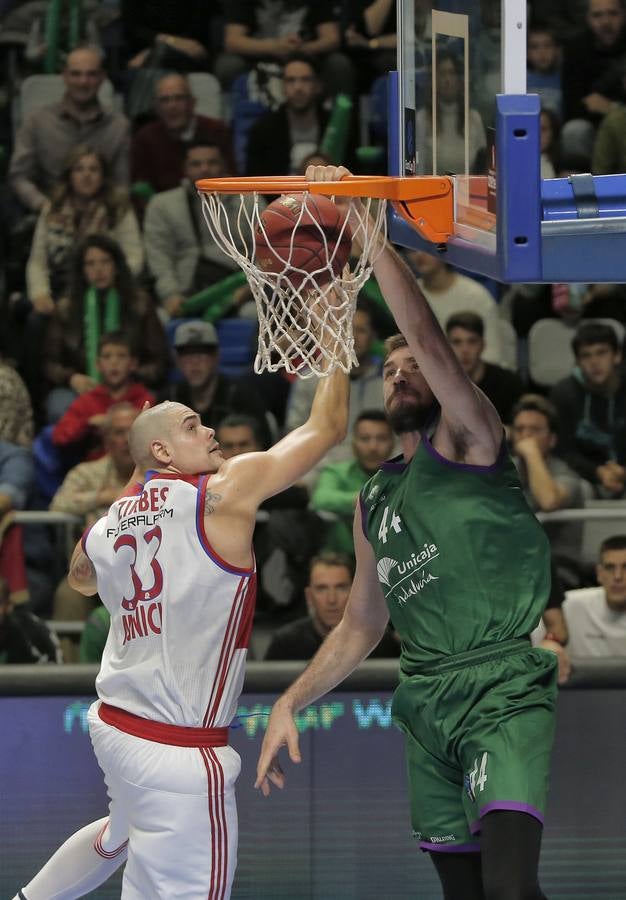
point(116, 290)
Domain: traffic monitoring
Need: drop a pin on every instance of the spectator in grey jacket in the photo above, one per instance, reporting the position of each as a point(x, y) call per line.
point(182, 255)
point(45, 139)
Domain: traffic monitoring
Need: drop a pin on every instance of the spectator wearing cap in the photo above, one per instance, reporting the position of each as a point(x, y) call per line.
point(203, 387)
point(158, 149)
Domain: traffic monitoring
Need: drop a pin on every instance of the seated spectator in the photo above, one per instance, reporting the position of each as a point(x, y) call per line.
point(450, 107)
point(203, 388)
point(16, 482)
point(609, 149)
point(81, 424)
point(265, 31)
point(45, 139)
point(366, 383)
point(279, 141)
point(591, 82)
point(596, 617)
point(16, 411)
point(84, 201)
point(182, 255)
point(103, 297)
point(158, 149)
point(547, 481)
point(448, 292)
point(330, 580)
point(371, 39)
point(339, 484)
point(548, 142)
point(24, 638)
point(87, 491)
point(591, 406)
point(465, 331)
point(543, 74)
point(165, 35)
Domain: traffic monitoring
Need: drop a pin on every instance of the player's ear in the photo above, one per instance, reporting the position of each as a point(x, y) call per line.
point(160, 452)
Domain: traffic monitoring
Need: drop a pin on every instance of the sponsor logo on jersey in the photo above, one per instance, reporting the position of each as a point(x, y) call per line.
point(144, 621)
point(409, 576)
point(375, 489)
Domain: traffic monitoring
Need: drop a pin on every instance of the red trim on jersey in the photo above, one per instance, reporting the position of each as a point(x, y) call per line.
point(107, 854)
point(219, 825)
point(173, 476)
point(229, 567)
point(247, 617)
point(226, 654)
point(161, 732)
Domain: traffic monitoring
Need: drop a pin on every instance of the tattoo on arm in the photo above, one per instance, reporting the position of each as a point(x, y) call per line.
point(83, 568)
point(210, 501)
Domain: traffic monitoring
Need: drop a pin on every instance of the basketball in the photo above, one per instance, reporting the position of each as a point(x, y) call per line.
point(310, 239)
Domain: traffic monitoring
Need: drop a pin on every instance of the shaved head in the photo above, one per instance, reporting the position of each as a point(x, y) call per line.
point(152, 424)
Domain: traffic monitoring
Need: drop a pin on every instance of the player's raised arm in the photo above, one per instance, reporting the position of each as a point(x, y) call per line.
point(361, 628)
point(464, 408)
point(262, 475)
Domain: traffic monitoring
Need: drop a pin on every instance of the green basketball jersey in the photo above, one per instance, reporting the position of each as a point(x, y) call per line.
point(461, 559)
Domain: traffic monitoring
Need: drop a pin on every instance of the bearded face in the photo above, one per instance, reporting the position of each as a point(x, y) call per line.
point(409, 401)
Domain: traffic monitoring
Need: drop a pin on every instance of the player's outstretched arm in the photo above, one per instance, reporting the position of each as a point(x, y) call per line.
point(363, 625)
point(261, 475)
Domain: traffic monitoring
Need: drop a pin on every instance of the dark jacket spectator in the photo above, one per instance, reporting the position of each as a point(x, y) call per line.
point(280, 140)
point(157, 152)
point(24, 638)
point(98, 268)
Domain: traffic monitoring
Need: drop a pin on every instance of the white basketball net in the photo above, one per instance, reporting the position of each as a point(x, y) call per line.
point(305, 317)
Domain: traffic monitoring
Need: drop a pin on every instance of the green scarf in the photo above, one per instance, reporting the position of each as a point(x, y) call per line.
point(92, 324)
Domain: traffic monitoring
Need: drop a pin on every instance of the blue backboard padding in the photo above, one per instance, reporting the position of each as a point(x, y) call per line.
point(558, 197)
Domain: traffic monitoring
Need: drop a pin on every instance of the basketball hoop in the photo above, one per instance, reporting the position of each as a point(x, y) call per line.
point(304, 294)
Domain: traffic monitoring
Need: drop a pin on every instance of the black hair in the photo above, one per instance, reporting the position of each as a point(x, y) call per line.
point(115, 338)
point(594, 333)
point(537, 403)
point(330, 558)
point(371, 415)
point(241, 420)
point(469, 321)
point(616, 542)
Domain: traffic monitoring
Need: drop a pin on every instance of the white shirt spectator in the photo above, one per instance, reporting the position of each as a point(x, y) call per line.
point(594, 629)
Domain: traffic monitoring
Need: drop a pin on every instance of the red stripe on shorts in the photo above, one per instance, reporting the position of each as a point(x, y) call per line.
point(219, 827)
point(161, 732)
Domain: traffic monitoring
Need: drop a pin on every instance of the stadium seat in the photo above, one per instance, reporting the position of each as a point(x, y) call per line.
point(208, 93)
point(51, 466)
point(508, 345)
point(237, 344)
point(41, 90)
point(550, 354)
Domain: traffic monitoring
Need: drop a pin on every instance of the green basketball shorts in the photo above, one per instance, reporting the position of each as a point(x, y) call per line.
point(479, 729)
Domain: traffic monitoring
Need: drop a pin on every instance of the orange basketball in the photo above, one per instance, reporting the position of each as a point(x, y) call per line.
point(313, 240)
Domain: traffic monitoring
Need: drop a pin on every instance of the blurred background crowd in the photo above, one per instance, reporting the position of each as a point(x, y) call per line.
point(112, 292)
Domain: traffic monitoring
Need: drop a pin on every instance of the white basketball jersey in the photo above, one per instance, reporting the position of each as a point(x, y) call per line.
point(181, 616)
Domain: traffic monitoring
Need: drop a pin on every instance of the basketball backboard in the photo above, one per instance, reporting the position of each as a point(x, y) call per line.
point(458, 106)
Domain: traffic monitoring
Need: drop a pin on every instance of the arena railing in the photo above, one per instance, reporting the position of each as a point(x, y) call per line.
point(273, 677)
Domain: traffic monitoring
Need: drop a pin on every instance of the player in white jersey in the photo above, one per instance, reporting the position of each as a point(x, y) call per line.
point(173, 563)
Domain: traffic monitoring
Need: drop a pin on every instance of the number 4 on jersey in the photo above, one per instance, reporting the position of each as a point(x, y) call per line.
point(395, 524)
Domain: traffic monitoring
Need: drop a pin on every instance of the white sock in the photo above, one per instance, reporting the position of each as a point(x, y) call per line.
point(75, 869)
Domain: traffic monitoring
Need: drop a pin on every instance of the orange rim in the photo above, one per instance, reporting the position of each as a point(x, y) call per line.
point(426, 202)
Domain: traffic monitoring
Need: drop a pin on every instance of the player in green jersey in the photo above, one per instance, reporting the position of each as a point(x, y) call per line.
point(447, 546)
